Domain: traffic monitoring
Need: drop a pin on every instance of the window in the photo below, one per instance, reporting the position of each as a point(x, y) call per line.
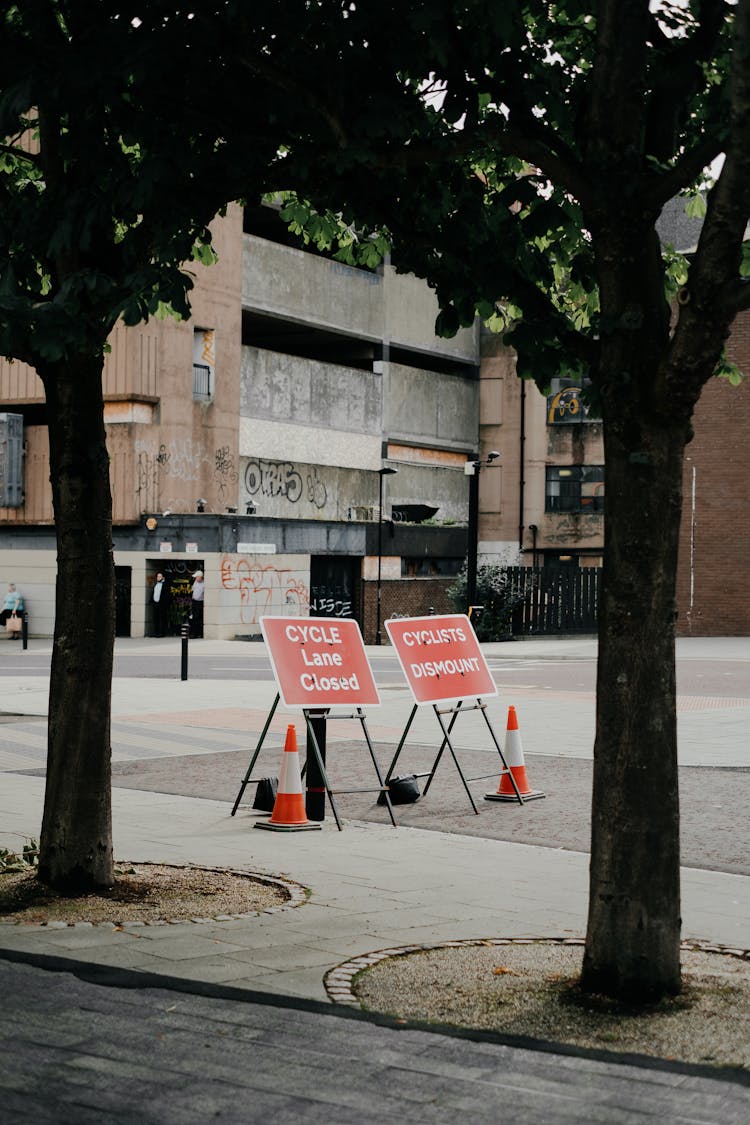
point(204, 360)
point(430, 568)
point(11, 460)
point(574, 488)
point(565, 404)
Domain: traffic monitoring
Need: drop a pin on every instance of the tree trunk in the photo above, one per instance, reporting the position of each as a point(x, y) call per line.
point(76, 838)
point(633, 938)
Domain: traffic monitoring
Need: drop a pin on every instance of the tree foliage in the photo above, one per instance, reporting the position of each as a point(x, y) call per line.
point(115, 155)
point(114, 159)
point(518, 156)
point(496, 162)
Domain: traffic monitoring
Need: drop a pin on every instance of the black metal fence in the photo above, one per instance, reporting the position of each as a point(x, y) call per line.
point(555, 600)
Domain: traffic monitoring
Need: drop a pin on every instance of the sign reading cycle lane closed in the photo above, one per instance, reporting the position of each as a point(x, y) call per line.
point(441, 658)
point(319, 661)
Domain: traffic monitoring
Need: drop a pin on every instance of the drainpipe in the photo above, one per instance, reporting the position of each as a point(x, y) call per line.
point(522, 461)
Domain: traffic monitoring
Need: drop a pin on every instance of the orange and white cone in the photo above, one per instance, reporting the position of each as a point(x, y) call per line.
point(289, 813)
point(513, 754)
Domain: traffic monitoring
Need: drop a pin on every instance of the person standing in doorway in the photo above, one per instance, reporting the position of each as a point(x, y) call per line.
point(160, 602)
point(196, 605)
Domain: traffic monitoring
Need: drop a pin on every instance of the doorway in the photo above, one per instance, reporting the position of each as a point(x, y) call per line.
point(179, 579)
point(123, 597)
point(334, 586)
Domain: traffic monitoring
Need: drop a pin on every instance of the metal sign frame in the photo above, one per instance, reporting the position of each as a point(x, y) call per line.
point(452, 642)
point(316, 713)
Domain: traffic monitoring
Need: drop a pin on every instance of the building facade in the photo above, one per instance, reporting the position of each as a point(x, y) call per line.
point(303, 440)
point(714, 560)
point(250, 443)
point(541, 501)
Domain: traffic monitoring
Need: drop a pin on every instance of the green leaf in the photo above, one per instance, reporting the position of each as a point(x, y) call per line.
point(695, 207)
point(204, 253)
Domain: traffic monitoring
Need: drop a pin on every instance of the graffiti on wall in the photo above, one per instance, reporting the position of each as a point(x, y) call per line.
point(321, 605)
point(316, 489)
point(282, 478)
point(273, 478)
point(260, 586)
point(147, 480)
point(182, 460)
point(225, 472)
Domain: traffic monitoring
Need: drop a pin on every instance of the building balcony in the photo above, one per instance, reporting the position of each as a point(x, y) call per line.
point(289, 285)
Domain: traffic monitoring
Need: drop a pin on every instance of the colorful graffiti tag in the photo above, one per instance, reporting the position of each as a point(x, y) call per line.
point(263, 588)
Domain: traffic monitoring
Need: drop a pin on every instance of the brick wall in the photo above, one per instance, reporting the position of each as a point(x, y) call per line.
point(405, 597)
point(714, 562)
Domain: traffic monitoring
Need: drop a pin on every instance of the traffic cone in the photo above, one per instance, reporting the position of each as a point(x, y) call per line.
point(513, 754)
point(289, 807)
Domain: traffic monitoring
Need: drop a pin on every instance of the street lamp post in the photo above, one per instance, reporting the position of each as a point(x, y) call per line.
point(385, 471)
point(472, 468)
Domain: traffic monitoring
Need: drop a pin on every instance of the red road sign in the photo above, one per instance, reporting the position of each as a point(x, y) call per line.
point(441, 658)
point(319, 661)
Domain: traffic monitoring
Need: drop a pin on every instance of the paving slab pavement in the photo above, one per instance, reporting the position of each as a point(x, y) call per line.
point(711, 727)
point(371, 887)
point(413, 885)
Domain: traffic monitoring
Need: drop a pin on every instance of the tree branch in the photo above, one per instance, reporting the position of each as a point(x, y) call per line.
point(22, 154)
point(676, 77)
point(738, 295)
point(715, 269)
point(677, 71)
point(558, 166)
point(660, 187)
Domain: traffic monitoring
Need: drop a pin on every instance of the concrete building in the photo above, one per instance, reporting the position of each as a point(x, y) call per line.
point(250, 443)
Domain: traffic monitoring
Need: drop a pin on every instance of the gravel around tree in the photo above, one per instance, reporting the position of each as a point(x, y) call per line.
point(143, 892)
point(529, 989)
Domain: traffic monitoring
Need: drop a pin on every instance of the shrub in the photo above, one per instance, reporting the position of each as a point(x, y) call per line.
point(498, 596)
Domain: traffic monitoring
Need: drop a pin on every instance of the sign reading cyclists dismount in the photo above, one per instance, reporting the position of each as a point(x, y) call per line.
point(441, 658)
point(319, 662)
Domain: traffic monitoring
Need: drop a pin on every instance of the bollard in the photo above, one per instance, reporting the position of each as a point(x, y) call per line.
point(315, 798)
point(185, 633)
point(25, 631)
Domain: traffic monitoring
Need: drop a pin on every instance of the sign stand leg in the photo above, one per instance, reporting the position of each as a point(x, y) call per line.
point(371, 748)
point(253, 760)
point(400, 746)
point(447, 742)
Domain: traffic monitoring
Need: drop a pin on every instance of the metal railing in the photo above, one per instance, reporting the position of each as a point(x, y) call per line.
point(202, 382)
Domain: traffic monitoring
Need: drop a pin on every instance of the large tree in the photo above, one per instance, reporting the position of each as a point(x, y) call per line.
point(114, 158)
point(520, 156)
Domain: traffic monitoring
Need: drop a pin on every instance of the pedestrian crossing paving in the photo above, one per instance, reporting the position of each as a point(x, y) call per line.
point(23, 739)
point(23, 745)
